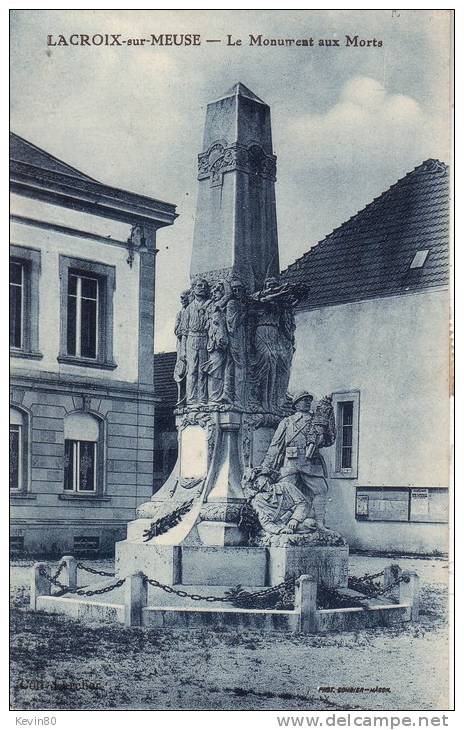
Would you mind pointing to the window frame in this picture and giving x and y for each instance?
(105, 274)
(19, 488)
(30, 261)
(100, 472)
(79, 303)
(76, 444)
(24, 456)
(20, 286)
(338, 399)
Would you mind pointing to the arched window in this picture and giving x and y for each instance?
(83, 456)
(19, 458)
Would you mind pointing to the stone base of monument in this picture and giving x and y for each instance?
(135, 603)
(232, 565)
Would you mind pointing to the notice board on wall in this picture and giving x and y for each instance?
(429, 505)
(383, 504)
(402, 504)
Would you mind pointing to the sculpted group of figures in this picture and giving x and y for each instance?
(288, 492)
(234, 348)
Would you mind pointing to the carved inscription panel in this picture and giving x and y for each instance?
(193, 452)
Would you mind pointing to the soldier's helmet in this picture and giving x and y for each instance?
(300, 395)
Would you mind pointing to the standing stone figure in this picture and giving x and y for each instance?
(235, 375)
(196, 343)
(180, 331)
(217, 344)
(287, 349)
(267, 345)
(274, 342)
(294, 450)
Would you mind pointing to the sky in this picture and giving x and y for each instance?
(347, 122)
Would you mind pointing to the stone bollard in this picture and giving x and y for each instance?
(135, 599)
(305, 603)
(410, 593)
(69, 572)
(40, 585)
(390, 574)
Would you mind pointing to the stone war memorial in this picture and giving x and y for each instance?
(237, 535)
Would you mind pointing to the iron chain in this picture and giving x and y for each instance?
(288, 583)
(218, 599)
(80, 591)
(184, 594)
(368, 578)
(99, 591)
(388, 588)
(95, 572)
(228, 597)
(157, 584)
(59, 569)
(53, 580)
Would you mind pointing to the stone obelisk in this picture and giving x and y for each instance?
(235, 342)
(236, 227)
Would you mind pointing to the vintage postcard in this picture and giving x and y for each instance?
(231, 386)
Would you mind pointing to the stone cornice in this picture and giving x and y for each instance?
(66, 230)
(61, 382)
(88, 196)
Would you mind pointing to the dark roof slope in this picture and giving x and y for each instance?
(163, 377)
(37, 174)
(23, 151)
(370, 255)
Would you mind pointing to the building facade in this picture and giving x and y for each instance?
(82, 279)
(374, 330)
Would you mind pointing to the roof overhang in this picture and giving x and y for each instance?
(89, 196)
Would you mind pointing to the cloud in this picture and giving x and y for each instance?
(368, 123)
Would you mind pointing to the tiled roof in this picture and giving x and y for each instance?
(370, 255)
(163, 377)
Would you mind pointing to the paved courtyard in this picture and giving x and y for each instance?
(58, 663)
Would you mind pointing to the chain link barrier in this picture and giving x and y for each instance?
(81, 590)
(185, 594)
(236, 595)
(281, 596)
(369, 576)
(98, 591)
(280, 593)
(366, 584)
(390, 586)
(95, 572)
(59, 569)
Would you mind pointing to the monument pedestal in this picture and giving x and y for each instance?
(216, 443)
(329, 564)
(229, 566)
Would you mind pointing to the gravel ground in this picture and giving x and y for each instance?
(112, 667)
